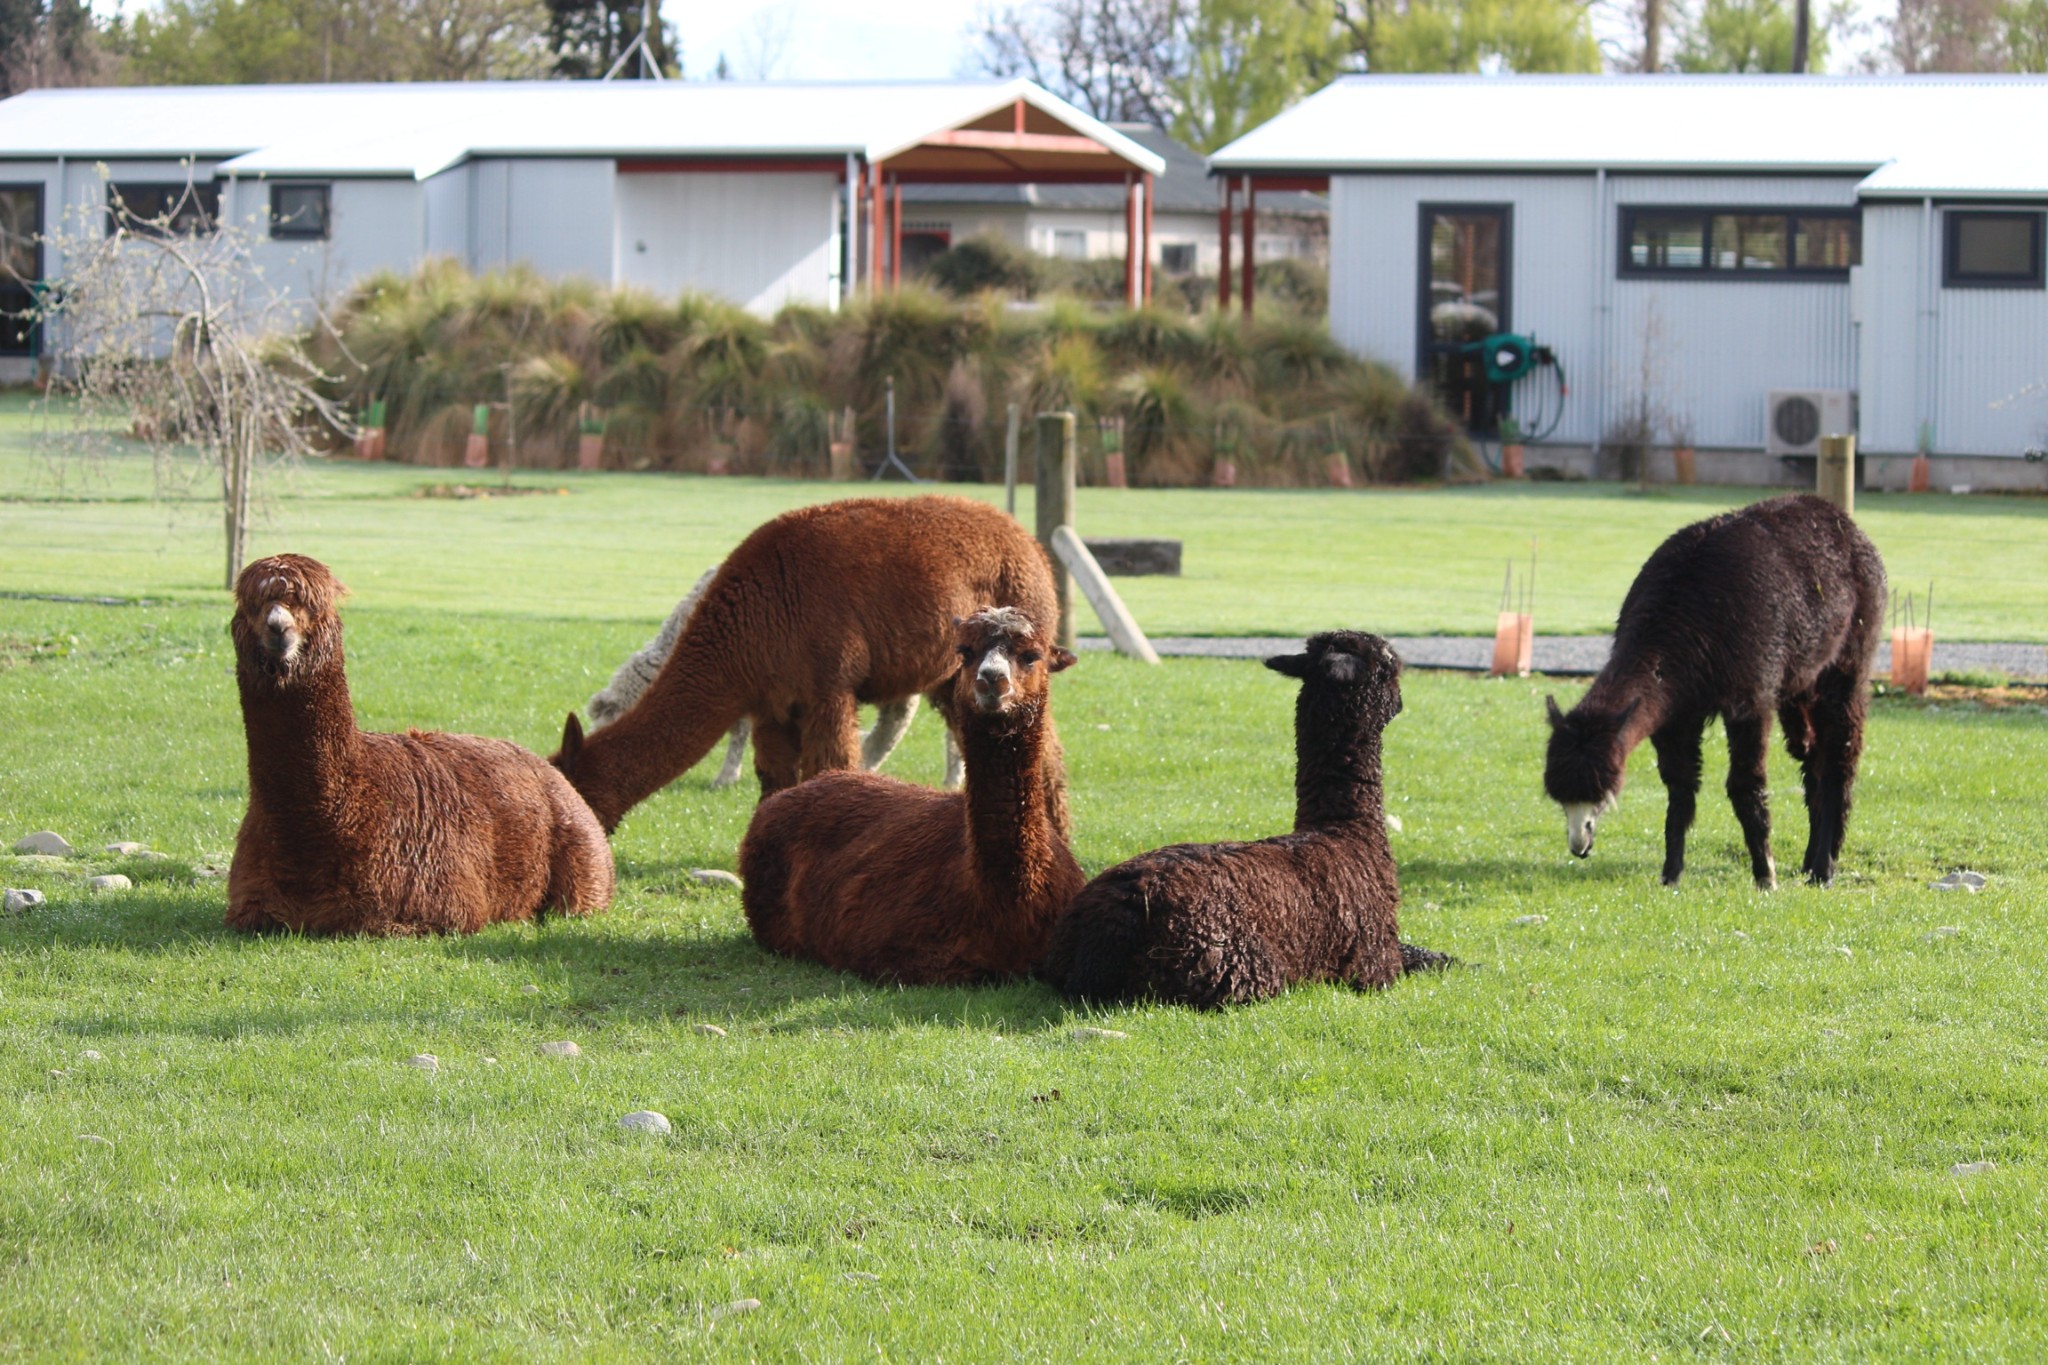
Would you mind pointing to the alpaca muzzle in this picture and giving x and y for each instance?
(1579, 822)
(281, 637)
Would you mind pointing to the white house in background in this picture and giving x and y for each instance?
(753, 192)
(1086, 222)
(1761, 258)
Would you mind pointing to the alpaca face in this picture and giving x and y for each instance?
(1349, 662)
(1584, 770)
(283, 608)
(1004, 666)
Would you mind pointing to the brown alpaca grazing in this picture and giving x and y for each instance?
(1777, 606)
(1220, 924)
(354, 833)
(815, 612)
(901, 883)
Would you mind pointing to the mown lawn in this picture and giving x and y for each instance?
(1702, 1123)
(1256, 562)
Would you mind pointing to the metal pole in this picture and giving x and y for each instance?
(1056, 449)
(1010, 462)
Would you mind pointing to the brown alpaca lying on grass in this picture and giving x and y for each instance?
(813, 613)
(1219, 924)
(354, 833)
(906, 884)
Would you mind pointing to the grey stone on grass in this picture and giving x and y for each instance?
(47, 842)
(1393, 823)
(20, 899)
(862, 1277)
(1089, 1035)
(1529, 921)
(124, 847)
(1960, 880)
(564, 1048)
(424, 1061)
(711, 1030)
(112, 881)
(1941, 931)
(529, 989)
(1962, 1168)
(646, 1121)
(726, 1310)
(92, 1055)
(96, 1138)
(715, 876)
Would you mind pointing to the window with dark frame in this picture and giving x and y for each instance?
(1988, 249)
(1740, 243)
(300, 211)
(163, 208)
(21, 267)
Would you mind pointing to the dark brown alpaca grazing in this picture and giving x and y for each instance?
(815, 612)
(1776, 607)
(1219, 924)
(906, 884)
(354, 833)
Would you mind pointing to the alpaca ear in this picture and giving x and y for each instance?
(1550, 708)
(1293, 665)
(572, 743)
(1059, 659)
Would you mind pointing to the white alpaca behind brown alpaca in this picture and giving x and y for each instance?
(892, 720)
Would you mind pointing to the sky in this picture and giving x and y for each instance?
(826, 39)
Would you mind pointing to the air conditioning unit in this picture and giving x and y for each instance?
(1796, 419)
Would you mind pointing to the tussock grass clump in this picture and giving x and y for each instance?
(701, 384)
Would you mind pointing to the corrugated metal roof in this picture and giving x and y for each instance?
(1183, 187)
(418, 129)
(2010, 168)
(1695, 123)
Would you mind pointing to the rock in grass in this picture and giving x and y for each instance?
(1089, 1035)
(529, 989)
(1529, 921)
(565, 1048)
(715, 876)
(124, 847)
(424, 1061)
(47, 842)
(20, 899)
(1960, 881)
(711, 1030)
(726, 1310)
(1962, 1168)
(92, 1055)
(113, 881)
(1942, 931)
(1393, 823)
(862, 1277)
(646, 1121)
(96, 1138)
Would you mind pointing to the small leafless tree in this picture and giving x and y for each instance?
(1116, 59)
(167, 325)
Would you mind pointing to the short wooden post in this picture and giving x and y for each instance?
(1056, 450)
(1835, 472)
(1124, 633)
(1010, 461)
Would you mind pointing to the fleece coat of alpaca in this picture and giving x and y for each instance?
(1220, 924)
(904, 884)
(813, 613)
(1775, 607)
(355, 833)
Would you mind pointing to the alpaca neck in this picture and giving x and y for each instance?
(686, 710)
(1639, 682)
(302, 737)
(1337, 784)
(1009, 824)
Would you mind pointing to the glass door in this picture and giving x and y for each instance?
(21, 266)
(1464, 299)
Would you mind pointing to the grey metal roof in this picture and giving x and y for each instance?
(1853, 124)
(419, 129)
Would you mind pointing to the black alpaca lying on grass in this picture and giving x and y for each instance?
(1777, 606)
(1218, 924)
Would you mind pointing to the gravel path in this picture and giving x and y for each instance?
(1570, 655)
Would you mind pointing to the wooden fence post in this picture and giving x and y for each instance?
(1010, 463)
(1056, 450)
(1835, 472)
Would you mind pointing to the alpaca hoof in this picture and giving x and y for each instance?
(1671, 878)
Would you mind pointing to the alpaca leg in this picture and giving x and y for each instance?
(1748, 747)
(735, 756)
(776, 747)
(892, 722)
(831, 736)
(1678, 763)
(1831, 772)
(1210, 973)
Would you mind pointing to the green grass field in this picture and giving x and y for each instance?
(1697, 1124)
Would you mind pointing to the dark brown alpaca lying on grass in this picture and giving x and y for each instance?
(815, 612)
(354, 833)
(906, 884)
(1777, 606)
(1219, 924)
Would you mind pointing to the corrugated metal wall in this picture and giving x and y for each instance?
(1709, 350)
(1892, 284)
(759, 239)
(1991, 379)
